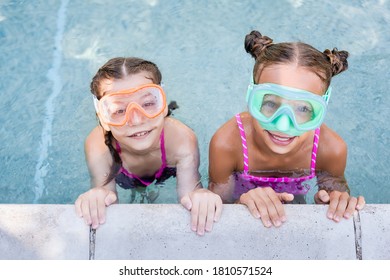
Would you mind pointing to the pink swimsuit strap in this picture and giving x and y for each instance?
(276, 179)
(158, 173)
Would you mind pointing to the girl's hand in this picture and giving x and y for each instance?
(92, 204)
(205, 207)
(340, 204)
(266, 204)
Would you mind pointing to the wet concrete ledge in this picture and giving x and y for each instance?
(162, 231)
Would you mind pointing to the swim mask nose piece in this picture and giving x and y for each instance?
(283, 123)
(134, 114)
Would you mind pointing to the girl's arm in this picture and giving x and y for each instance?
(222, 164)
(91, 204)
(332, 159)
(204, 205)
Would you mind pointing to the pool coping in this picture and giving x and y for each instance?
(162, 232)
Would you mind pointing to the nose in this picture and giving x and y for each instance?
(283, 123)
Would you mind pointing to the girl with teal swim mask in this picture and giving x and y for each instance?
(255, 157)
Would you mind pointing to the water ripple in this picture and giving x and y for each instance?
(53, 75)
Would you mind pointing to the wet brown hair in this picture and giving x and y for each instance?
(116, 69)
(120, 67)
(324, 64)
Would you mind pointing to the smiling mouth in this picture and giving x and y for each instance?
(140, 134)
(281, 140)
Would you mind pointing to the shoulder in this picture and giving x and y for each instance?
(177, 131)
(332, 151)
(95, 143)
(331, 144)
(96, 136)
(180, 140)
(227, 137)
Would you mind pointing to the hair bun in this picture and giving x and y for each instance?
(255, 43)
(338, 60)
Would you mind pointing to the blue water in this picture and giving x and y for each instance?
(51, 49)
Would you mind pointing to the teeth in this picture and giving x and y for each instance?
(140, 134)
(281, 138)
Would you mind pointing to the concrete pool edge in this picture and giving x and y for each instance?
(162, 231)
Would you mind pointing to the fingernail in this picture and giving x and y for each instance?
(346, 215)
(277, 223)
(337, 218)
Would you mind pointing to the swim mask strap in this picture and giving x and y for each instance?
(327, 95)
(250, 88)
(96, 103)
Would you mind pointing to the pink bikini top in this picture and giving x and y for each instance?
(128, 180)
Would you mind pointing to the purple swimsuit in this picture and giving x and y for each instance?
(127, 180)
(293, 185)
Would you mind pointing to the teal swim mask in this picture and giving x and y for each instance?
(288, 110)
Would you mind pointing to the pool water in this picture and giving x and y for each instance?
(51, 49)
